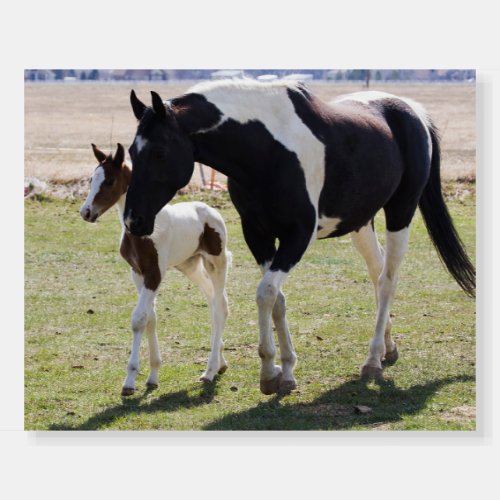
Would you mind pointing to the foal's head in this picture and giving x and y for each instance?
(162, 155)
(108, 183)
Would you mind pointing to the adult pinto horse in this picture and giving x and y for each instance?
(300, 169)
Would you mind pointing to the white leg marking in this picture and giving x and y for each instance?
(267, 292)
(140, 317)
(154, 350)
(288, 355)
(396, 247)
(366, 243)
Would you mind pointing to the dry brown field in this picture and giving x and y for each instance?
(61, 120)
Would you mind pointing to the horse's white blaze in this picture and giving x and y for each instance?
(328, 225)
(95, 186)
(270, 105)
(139, 143)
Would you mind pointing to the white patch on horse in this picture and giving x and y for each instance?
(97, 179)
(328, 225)
(139, 142)
(269, 104)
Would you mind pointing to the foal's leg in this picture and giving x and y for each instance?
(154, 350)
(396, 247)
(195, 270)
(142, 315)
(217, 271)
(366, 243)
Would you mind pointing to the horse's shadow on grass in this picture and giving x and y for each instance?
(141, 405)
(353, 404)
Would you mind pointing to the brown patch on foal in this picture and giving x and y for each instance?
(142, 257)
(210, 241)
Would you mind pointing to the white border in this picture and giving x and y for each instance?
(248, 35)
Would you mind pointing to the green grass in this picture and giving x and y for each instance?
(79, 297)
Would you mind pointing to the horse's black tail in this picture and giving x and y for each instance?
(440, 227)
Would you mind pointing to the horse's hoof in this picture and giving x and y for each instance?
(287, 386)
(371, 373)
(391, 357)
(151, 386)
(272, 386)
(222, 369)
(127, 391)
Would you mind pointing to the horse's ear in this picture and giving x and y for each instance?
(137, 105)
(158, 106)
(119, 156)
(100, 156)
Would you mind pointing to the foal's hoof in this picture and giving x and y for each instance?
(272, 386)
(371, 373)
(391, 357)
(127, 391)
(150, 386)
(222, 369)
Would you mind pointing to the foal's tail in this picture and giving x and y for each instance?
(440, 227)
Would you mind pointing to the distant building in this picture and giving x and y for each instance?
(301, 77)
(267, 78)
(224, 74)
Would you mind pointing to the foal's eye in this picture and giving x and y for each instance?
(108, 182)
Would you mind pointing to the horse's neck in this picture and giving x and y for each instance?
(252, 119)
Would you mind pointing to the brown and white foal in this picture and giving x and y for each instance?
(188, 236)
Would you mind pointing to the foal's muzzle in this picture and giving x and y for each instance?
(87, 214)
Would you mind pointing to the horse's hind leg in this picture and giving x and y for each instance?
(217, 267)
(195, 270)
(366, 243)
(396, 247)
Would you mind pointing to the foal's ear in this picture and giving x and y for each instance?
(137, 105)
(158, 106)
(119, 156)
(100, 156)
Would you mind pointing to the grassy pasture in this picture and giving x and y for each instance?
(78, 301)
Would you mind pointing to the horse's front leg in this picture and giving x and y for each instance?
(140, 317)
(271, 304)
(154, 351)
